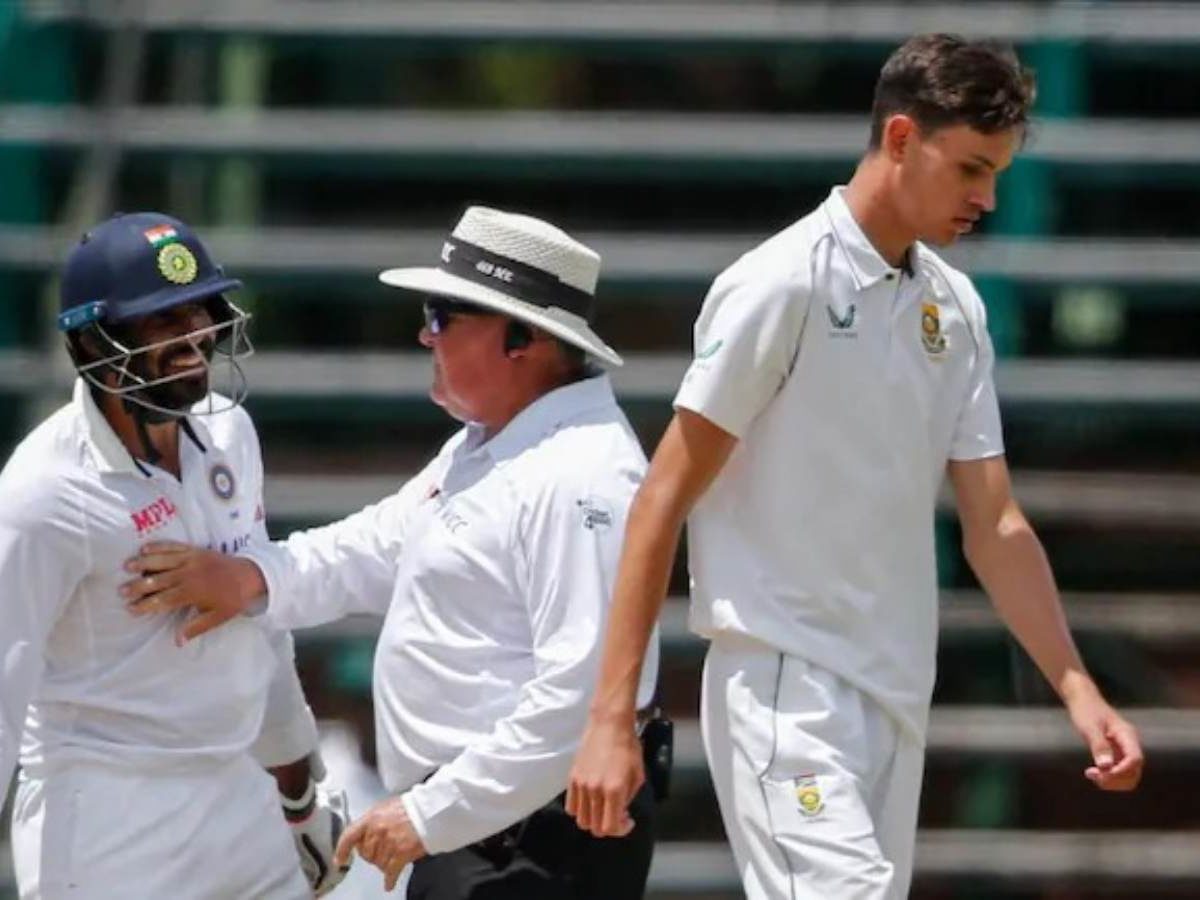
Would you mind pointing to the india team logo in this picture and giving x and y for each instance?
(932, 338)
(808, 794)
(177, 264)
(220, 478)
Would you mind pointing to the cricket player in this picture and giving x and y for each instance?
(841, 370)
(142, 761)
(493, 568)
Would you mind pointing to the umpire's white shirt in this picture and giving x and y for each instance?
(83, 678)
(494, 566)
(850, 384)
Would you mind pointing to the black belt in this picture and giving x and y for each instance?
(656, 733)
(501, 847)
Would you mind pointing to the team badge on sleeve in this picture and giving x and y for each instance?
(808, 794)
(220, 479)
(700, 362)
(932, 338)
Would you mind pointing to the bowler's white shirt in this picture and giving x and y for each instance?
(82, 677)
(850, 385)
(494, 567)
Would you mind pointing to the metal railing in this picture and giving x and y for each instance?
(653, 22)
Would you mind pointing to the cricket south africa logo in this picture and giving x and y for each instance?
(808, 794)
(932, 338)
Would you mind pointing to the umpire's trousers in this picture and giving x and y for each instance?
(546, 857)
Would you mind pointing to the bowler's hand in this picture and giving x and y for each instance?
(178, 576)
(605, 777)
(385, 838)
(1114, 743)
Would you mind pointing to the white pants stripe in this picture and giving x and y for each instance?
(91, 832)
(818, 786)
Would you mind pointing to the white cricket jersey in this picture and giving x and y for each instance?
(495, 567)
(83, 678)
(850, 384)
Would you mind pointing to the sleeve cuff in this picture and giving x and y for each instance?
(418, 821)
(269, 605)
(440, 817)
(976, 452)
(728, 420)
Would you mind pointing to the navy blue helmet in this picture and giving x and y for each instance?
(134, 265)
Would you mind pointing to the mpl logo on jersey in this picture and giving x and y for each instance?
(155, 516)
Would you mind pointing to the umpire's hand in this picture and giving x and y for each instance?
(606, 775)
(175, 576)
(384, 837)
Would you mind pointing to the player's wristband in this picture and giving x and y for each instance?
(302, 807)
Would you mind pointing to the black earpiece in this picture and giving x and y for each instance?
(517, 336)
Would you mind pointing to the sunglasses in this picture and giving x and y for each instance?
(439, 313)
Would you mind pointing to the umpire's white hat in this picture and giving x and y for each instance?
(519, 266)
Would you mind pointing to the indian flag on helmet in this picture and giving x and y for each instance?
(160, 234)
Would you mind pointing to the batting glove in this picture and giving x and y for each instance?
(317, 820)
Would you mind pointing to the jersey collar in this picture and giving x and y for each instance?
(110, 453)
(548, 413)
(867, 267)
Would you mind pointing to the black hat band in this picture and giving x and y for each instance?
(513, 277)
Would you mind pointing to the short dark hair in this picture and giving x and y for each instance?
(942, 80)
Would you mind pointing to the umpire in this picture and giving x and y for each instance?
(493, 567)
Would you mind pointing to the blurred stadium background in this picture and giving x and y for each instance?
(315, 142)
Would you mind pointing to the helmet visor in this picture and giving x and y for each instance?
(214, 383)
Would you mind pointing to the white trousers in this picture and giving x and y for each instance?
(97, 832)
(818, 786)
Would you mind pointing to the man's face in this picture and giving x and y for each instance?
(947, 180)
(468, 356)
(182, 360)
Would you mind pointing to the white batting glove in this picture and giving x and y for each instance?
(317, 820)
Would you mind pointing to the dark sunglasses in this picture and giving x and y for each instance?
(440, 312)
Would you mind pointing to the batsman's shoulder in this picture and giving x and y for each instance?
(47, 466)
(42, 496)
